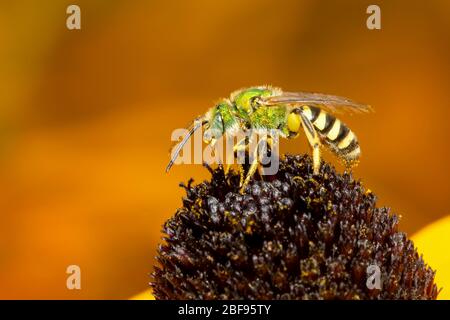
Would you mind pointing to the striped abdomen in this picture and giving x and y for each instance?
(335, 134)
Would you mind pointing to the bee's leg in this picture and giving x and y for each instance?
(240, 166)
(251, 171)
(226, 168)
(261, 172)
(254, 165)
(241, 174)
(229, 157)
(313, 139)
(269, 143)
(213, 142)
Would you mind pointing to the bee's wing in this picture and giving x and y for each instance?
(327, 102)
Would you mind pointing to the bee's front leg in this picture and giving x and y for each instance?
(229, 157)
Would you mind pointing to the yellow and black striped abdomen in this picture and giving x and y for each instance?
(335, 134)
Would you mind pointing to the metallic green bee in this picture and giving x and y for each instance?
(270, 108)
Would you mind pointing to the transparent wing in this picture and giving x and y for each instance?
(327, 102)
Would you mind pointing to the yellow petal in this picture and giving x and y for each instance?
(433, 242)
(145, 295)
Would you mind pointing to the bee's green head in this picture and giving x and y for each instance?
(246, 100)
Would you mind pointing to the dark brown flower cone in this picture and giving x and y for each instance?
(297, 236)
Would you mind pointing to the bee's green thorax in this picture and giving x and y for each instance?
(269, 118)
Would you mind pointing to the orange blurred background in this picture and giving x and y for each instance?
(86, 117)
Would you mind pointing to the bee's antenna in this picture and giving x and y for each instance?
(197, 125)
